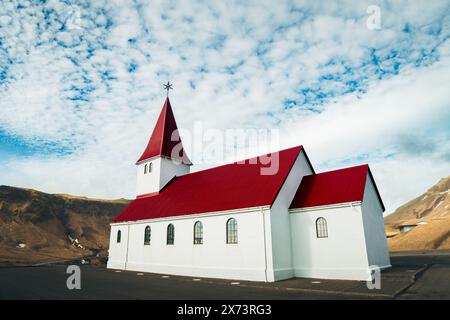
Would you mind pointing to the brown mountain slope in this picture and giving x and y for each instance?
(41, 224)
(430, 212)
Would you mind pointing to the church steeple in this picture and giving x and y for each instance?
(165, 140)
(164, 157)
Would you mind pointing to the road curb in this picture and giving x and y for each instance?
(414, 278)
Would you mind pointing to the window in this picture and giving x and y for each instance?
(198, 233)
(170, 234)
(147, 235)
(232, 231)
(119, 236)
(321, 228)
(148, 168)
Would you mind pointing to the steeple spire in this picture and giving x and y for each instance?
(168, 86)
(160, 143)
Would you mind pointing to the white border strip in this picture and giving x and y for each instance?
(195, 215)
(331, 206)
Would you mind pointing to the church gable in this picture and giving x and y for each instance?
(333, 187)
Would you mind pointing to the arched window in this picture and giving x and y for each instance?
(119, 236)
(145, 169)
(321, 228)
(147, 235)
(170, 234)
(198, 233)
(232, 236)
(149, 167)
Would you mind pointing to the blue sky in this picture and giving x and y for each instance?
(81, 85)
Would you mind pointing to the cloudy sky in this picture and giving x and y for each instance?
(81, 85)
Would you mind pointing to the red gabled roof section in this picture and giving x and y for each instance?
(160, 143)
(333, 187)
(232, 186)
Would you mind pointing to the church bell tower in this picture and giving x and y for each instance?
(163, 158)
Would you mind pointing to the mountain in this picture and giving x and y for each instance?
(38, 227)
(429, 217)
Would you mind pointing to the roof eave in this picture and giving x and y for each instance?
(326, 206)
(165, 157)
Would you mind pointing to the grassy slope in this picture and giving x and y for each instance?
(43, 222)
(433, 208)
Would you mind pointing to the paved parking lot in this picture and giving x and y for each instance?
(415, 275)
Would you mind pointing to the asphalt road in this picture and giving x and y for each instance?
(434, 283)
(49, 282)
(97, 283)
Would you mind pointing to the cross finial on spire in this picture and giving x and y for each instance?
(168, 86)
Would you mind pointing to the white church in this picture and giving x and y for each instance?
(235, 221)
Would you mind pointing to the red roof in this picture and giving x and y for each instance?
(161, 142)
(333, 187)
(232, 186)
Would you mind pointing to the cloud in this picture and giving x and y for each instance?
(400, 126)
(85, 78)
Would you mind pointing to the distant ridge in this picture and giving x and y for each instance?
(429, 216)
(37, 226)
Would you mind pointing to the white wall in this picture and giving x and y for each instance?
(280, 222)
(375, 235)
(148, 182)
(342, 255)
(214, 258)
(118, 251)
(170, 169)
(163, 170)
